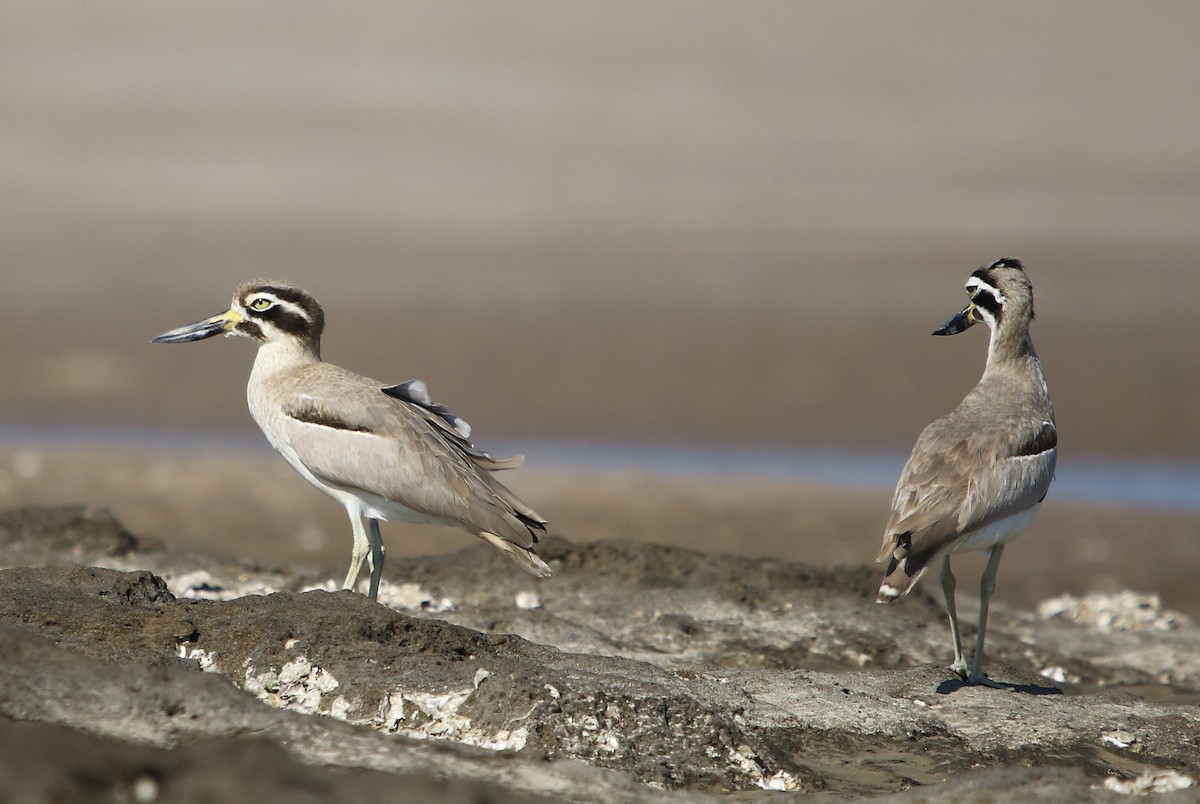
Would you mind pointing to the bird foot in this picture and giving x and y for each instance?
(978, 678)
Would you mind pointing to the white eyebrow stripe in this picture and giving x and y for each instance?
(282, 303)
(979, 285)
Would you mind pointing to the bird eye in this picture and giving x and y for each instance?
(260, 304)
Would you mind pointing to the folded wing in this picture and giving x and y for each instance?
(395, 443)
(940, 497)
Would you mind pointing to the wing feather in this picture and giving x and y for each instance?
(959, 480)
(395, 443)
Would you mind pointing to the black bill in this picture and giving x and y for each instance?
(207, 328)
(960, 323)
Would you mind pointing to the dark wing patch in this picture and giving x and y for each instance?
(306, 409)
(1044, 440)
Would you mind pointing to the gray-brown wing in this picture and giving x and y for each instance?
(959, 479)
(358, 437)
(1019, 477)
(457, 433)
(929, 494)
(454, 428)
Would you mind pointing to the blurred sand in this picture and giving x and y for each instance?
(677, 221)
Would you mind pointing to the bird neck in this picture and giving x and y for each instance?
(285, 354)
(1009, 347)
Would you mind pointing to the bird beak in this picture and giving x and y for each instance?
(216, 325)
(960, 323)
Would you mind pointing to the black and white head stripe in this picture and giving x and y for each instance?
(280, 305)
(987, 298)
(994, 288)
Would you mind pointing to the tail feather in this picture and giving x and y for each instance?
(527, 516)
(901, 576)
(524, 557)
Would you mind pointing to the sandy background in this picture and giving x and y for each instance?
(719, 224)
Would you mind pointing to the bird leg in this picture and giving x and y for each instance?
(359, 552)
(987, 585)
(960, 664)
(375, 558)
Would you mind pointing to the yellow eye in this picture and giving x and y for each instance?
(260, 304)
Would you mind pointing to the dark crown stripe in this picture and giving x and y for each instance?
(1003, 262)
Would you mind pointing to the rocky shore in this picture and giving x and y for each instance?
(636, 673)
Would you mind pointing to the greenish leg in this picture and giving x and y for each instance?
(375, 558)
(987, 585)
(960, 664)
(359, 553)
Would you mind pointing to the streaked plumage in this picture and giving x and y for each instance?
(977, 476)
(384, 452)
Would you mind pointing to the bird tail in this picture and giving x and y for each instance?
(901, 576)
(524, 557)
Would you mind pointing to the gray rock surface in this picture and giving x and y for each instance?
(636, 673)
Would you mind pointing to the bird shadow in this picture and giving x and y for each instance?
(953, 685)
